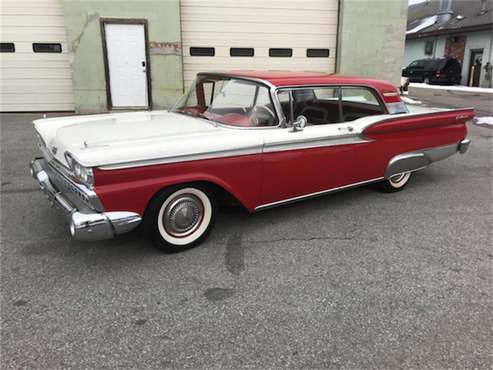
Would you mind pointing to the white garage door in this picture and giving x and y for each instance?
(35, 72)
(279, 33)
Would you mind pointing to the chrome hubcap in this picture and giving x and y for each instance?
(183, 215)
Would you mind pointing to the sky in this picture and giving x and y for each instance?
(411, 2)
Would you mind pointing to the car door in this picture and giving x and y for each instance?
(298, 163)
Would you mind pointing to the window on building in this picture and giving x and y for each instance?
(241, 52)
(429, 48)
(202, 52)
(317, 53)
(280, 52)
(39, 47)
(7, 47)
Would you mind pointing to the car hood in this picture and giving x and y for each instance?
(122, 139)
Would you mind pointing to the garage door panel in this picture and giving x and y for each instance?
(35, 98)
(256, 41)
(31, 63)
(34, 81)
(38, 107)
(29, 20)
(254, 28)
(263, 4)
(35, 10)
(36, 73)
(33, 34)
(260, 53)
(248, 15)
(39, 86)
(24, 50)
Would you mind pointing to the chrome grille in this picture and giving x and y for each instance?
(65, 185)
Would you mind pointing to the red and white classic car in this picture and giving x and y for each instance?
(263, 138)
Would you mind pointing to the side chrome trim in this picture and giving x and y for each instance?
(316, 194)
(314, 143)
(185, 158)
(281, 146)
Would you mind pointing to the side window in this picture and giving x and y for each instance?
(319, 105)
(354, 94)
(358, 102)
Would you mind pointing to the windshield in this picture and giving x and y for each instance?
(230, 101)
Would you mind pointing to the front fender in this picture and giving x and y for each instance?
(131, 189)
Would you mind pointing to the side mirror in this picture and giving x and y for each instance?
(299, 124)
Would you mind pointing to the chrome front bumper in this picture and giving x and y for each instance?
(84, 224)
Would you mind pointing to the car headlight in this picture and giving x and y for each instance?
(81, 174)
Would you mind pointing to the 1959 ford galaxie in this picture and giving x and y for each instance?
(262, 138)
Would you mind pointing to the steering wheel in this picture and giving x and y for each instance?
(258, 115)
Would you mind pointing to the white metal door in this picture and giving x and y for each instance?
(127, 64)
(31, 80)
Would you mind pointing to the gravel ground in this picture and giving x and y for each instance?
(358, 279)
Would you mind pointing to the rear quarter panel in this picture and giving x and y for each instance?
(406, 134)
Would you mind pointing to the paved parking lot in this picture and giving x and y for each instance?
(358, 279)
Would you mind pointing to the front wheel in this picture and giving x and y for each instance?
(426, 81)
(180, 218)
(395, 183)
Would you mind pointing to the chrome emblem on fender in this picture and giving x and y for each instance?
(54, 149)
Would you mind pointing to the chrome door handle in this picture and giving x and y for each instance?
(349, 129)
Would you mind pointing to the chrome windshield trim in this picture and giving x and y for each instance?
(316, 194)
(272, 88)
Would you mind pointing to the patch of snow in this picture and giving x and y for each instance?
(484, 120)
(454, 87)
(408, 100)
(425, 23)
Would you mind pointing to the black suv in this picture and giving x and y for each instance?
(434, 71)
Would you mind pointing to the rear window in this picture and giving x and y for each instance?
(359, 95)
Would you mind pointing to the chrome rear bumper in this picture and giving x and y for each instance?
(464, 145)
(84, 225)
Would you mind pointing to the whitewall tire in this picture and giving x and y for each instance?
(395, 183)
(180, 218)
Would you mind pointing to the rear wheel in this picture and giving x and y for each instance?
(395, 183)
(180, 218)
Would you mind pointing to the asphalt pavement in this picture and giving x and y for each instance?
(357, 279)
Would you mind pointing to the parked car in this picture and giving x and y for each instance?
(434, 71)
(263, 138)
